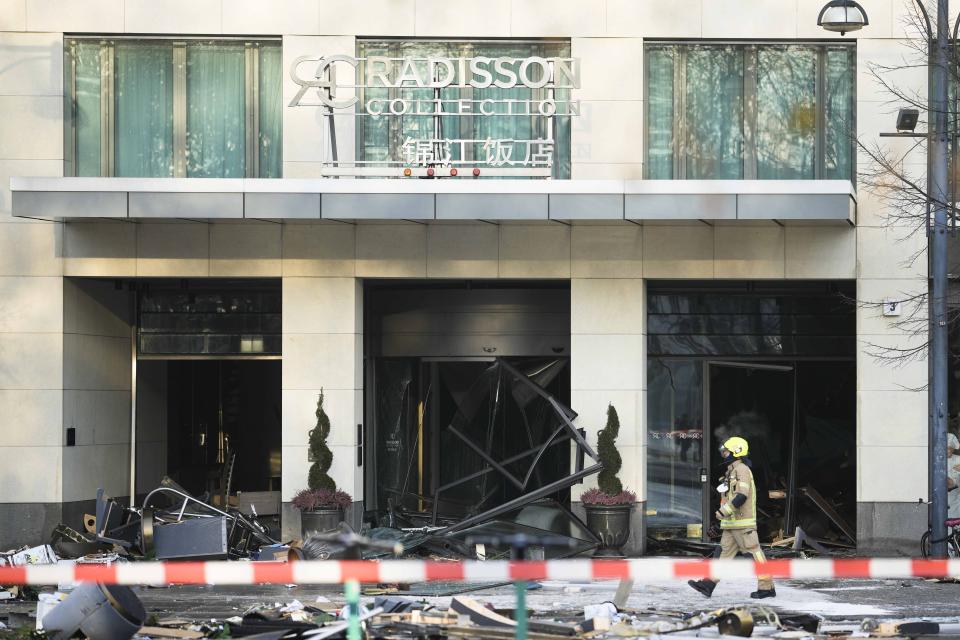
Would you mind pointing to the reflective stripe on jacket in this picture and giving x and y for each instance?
(739, 479)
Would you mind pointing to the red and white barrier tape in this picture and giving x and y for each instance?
(393, 571)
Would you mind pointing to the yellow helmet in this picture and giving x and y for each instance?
(737, 446)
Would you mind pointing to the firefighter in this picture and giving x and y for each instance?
(738, 516)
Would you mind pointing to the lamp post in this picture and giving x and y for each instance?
(847, 15)
(842, 16)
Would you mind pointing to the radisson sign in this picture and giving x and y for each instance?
(383, 86)
(479, 72)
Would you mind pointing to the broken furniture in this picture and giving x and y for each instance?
(68, 543)
(190, 528)
(117, 524)
(344, 544)
(192, 539)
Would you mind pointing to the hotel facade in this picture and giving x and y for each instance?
(211, 211)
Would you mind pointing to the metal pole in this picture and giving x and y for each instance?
(133, 402)
(938, 263)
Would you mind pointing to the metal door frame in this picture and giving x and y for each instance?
(706, 481)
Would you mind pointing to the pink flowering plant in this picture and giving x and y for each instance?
(597, 497)
(312, 499)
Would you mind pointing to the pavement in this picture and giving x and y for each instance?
(838, 600)
(842, 602)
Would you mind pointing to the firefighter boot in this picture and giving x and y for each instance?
(764, 593)
(705, 587)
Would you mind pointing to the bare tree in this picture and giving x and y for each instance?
(890, 176)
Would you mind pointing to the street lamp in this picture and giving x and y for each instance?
(842, 16)
(907, 119)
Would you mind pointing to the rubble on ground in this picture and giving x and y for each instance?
(171, 524)
(469, 617)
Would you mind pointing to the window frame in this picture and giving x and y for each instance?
(108, 134)
(748, 152)
(466, 126)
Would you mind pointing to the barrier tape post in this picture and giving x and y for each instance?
(520, 587)
(352, 593)
(641, 570)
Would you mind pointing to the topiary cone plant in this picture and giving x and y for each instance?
(320, 453)
(608, 506)
(607, 481)
(321, 505)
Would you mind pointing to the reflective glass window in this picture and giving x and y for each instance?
(674, 442)
(210, 321)
(786, 131)
(753, 111)
(713, 111)
(165, 108)
(661, 66)
(143, 110)
(382, 138)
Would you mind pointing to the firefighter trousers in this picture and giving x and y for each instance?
(735, 540)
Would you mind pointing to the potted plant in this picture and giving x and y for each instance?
(321, 505)
(608, 506)
(321, 509)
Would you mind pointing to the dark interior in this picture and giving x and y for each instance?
(219, 408)
(759, 404)
(771, 361)
(440, 403)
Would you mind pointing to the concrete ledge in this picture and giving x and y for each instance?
(28, 523)
(376, 206)
(793, 207)
(886, 529)
(494, 206)
(281, 205)
(186, 205)
(72, 204)
(799, 201)
(592, 206)
(680, 207)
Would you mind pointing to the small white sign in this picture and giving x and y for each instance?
(891, 308)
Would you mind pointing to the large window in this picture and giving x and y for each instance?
(215, 318)
(381, 138)
(751, 111)
(170, 108)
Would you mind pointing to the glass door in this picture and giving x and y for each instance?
(757, 402)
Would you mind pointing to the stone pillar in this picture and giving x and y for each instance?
(892, 404)
(322, 349)
(31, 288)
(97, 366)
(608, 344)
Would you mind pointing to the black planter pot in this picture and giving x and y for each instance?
(610, 523)
(320, 521)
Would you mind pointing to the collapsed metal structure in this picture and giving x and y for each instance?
(508, 429)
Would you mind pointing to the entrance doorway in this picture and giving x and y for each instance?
(210, 425)
(774, 362)
(224, 413)
(208, 389)
(756, 402)
(439, 421)
(465, 385)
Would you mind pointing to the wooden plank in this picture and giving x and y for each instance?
(498, 633)
(830, 512)
(164, 632)
(479, 614)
